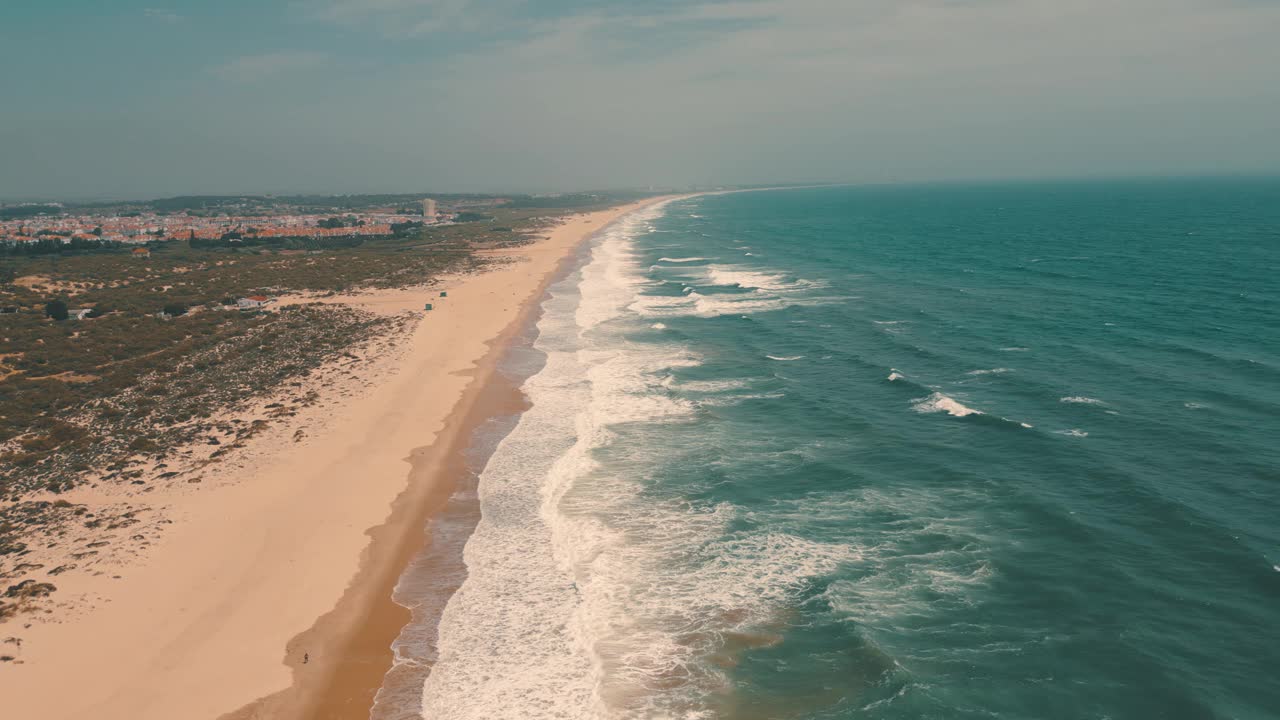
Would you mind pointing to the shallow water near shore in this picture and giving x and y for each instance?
(899, 452)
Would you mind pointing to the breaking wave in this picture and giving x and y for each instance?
(938, 402)
(1081, 400)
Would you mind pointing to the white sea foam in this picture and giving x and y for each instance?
(765, 291)
(1081, 400)
(937, 402)
(717, 305)
(709, 305)
(615, 279)
(658, 326)
(785, 358)
(508, 645)
(728, 275)
(681, 260)
(992, 371)
(895, 375)
(726, 400)
(696, 304)
(508, 620)
(710, 386)
(1014, 349)
(1073, 432)
(652, 305)
(932, 557)
(585, 597)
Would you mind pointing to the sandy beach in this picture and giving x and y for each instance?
(269, 594)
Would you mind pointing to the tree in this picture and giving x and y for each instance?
(175, 309)
(404, 227)
(57, 310)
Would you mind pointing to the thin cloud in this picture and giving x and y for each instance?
(350, 9)
(254, 67)
(161, 14)
(592, 93)
(401, 18)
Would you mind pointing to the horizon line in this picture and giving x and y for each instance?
(658, 189)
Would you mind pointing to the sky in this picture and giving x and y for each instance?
(145, 98)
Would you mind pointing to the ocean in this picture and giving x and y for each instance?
(929, 451)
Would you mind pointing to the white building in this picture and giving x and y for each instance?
(253, 302)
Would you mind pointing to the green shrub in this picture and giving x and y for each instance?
(56, 309)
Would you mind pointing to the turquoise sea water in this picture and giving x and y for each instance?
(990, 451)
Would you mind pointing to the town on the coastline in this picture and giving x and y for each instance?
(54, 222)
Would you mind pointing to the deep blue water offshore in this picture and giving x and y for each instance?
(986, 451)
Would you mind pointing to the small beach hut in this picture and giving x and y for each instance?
(444, 294)
(428, 307)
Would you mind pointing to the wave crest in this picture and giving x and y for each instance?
(1081, 400)
(937, 402)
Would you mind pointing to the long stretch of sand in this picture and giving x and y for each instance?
(292, 557)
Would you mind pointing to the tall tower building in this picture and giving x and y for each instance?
(429, 209)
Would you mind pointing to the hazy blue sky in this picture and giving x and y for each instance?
(119, 98)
